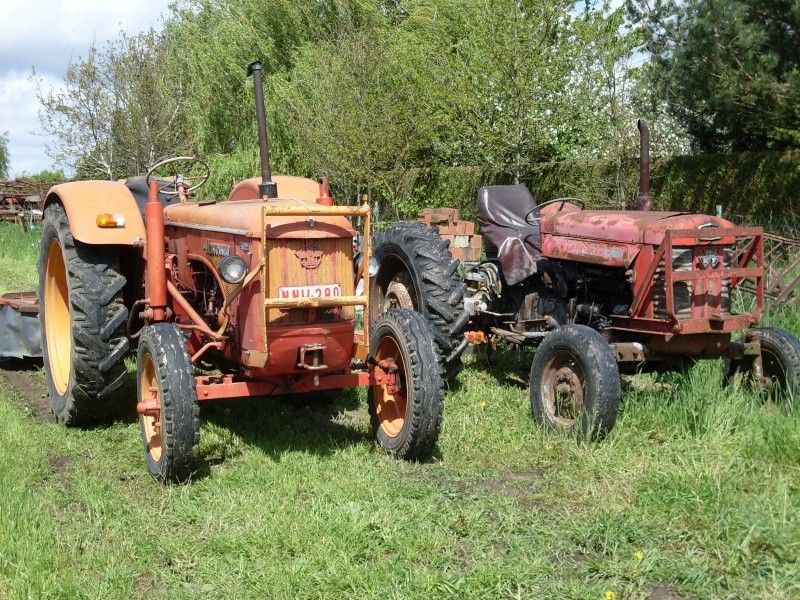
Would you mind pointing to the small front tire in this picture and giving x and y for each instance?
(169, 415)
(406, 423)
(574, 382)
(776, 371)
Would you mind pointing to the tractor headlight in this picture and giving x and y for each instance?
(374, 265)
(233, 269)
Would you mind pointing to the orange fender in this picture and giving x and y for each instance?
(84, 200)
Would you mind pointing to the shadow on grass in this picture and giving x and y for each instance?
(309, 423)
(508, 364)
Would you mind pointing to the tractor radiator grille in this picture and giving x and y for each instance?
(309, 264)
(695, 299)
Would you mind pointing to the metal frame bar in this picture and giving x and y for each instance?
(638, 320)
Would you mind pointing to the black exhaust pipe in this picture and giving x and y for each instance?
(267, 187)
(644, 201)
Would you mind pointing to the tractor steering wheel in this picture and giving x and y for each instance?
(190, 163)
(538, 208)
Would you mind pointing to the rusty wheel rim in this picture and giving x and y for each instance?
(563, 389)
(768, 373)
(400, 293)
(391, 408)
(57, 324)
(150, 420)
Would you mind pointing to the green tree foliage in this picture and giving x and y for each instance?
(377, 93)
(4, 155)
(119, 110)
(729, 70)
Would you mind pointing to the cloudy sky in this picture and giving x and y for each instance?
(47, 35)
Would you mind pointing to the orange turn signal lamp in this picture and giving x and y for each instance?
(107, 220)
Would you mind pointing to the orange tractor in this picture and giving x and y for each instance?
(255, 296)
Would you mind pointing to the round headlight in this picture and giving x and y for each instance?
(233, 269)
(374, 265)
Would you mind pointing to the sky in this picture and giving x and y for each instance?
(48, 35)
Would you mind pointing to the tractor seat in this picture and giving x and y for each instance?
(138, 187)
(502, 212)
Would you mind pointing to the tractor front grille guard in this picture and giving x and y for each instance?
(703, 282)
(310, 211)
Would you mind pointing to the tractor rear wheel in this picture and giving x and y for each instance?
(418, 272)
(776, 371)
(574, 382)
(169, 415)
(406, 420)
(82, 316)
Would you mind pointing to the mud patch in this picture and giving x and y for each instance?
(663, 592)
(58, 464)
(520, 485)
(513, 484)
(26, 379)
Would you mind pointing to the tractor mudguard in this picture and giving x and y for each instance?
(84, 200)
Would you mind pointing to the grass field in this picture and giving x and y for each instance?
(18, 253)
(695, 494)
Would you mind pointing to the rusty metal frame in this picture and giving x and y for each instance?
(781, 269)
(754, 250)
(314, 210)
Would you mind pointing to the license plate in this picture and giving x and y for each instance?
(326, 290)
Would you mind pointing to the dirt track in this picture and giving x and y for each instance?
(27, 381)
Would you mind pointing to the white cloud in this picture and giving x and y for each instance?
(47, 35)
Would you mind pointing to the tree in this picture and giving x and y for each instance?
(118, 111)
(521, 82)
(729, 70)
(4, 155)
(356, 109)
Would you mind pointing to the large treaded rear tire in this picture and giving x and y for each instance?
(82, 316)
(418, 272)
(407, 424)
(171, 431)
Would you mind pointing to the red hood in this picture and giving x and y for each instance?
(624, 226)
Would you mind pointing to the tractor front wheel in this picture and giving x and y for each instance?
(82, 316)
(774, 372)
(574, 382)
(406, 417)
(169, 415)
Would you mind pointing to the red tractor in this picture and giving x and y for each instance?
(255, 296)
(596, 292)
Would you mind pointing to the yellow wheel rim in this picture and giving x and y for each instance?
(57, 324)
(150, 423)
(391, 408)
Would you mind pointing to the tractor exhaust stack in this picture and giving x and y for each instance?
(644, 201)
(267, 188)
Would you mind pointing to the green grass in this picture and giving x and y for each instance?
(18, 252)
(697, 490)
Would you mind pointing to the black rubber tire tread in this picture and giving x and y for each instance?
(434, 273)
(784, 348)
(425, 390)
(180, 411)
(601, 378)
(98, 315)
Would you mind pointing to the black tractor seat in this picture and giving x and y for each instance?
(138, 187)
(509, 222)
